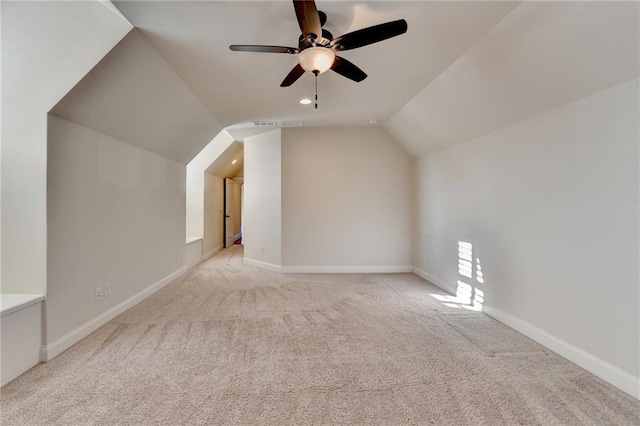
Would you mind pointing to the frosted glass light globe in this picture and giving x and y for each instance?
(317, 59)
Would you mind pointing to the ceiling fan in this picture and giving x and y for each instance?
(317, 46)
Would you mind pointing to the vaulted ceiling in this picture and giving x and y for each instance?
(229, 163)
(194, 37)
(542, 55)
(135, 96)
(463, 69)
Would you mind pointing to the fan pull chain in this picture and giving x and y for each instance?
(316, 74)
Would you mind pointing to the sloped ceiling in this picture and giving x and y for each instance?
(135, 96)
(543, 55)
(462, 70)
(223, 166)
(42, 56)
(194, 37)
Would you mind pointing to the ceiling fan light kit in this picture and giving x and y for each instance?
(316, 59)
(317, 46)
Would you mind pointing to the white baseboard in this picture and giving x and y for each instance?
(376, 269)
(607, 372)
(54, 349)
(212, 253)
(329, 269)
(263, 265)
(596, 366)
(451, 289)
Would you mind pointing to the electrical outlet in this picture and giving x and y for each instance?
(262, 250)
(107, 289)
(98, 293)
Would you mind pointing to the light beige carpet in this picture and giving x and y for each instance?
(232, 344)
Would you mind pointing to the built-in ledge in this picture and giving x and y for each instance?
(193, 252)
(21, 329)
(12, 302)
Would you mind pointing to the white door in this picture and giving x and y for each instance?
(228, 213)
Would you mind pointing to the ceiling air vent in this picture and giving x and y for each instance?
(290, 123)
(277, 123)
(265, 123)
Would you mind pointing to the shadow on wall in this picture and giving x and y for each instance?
(467, 296)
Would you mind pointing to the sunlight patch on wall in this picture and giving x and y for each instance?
(465, 259)
(467, 296)
(479, 276)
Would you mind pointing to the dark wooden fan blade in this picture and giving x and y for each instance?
(323, 18)
(308, 17)
(263, 49)
(369, 35)
(293, 75)
(348, 69)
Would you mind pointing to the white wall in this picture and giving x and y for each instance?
(115, 214)
(551, 207)
(195, 182)
(346, 200)
(213, 213)
(263, 198)
(47, 47)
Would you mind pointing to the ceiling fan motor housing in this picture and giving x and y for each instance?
(317, 46)
(310, 41)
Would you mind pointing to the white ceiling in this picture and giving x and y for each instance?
(135, 96)
(194, 37)
(463, 69)
(543, 55)
(223, 166)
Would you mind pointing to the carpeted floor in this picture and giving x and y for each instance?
(233, 344)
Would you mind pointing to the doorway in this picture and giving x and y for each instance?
(232, 220)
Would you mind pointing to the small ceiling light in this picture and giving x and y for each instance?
(316, 59)
(234, 161)
(305, 101)
(373, 122)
